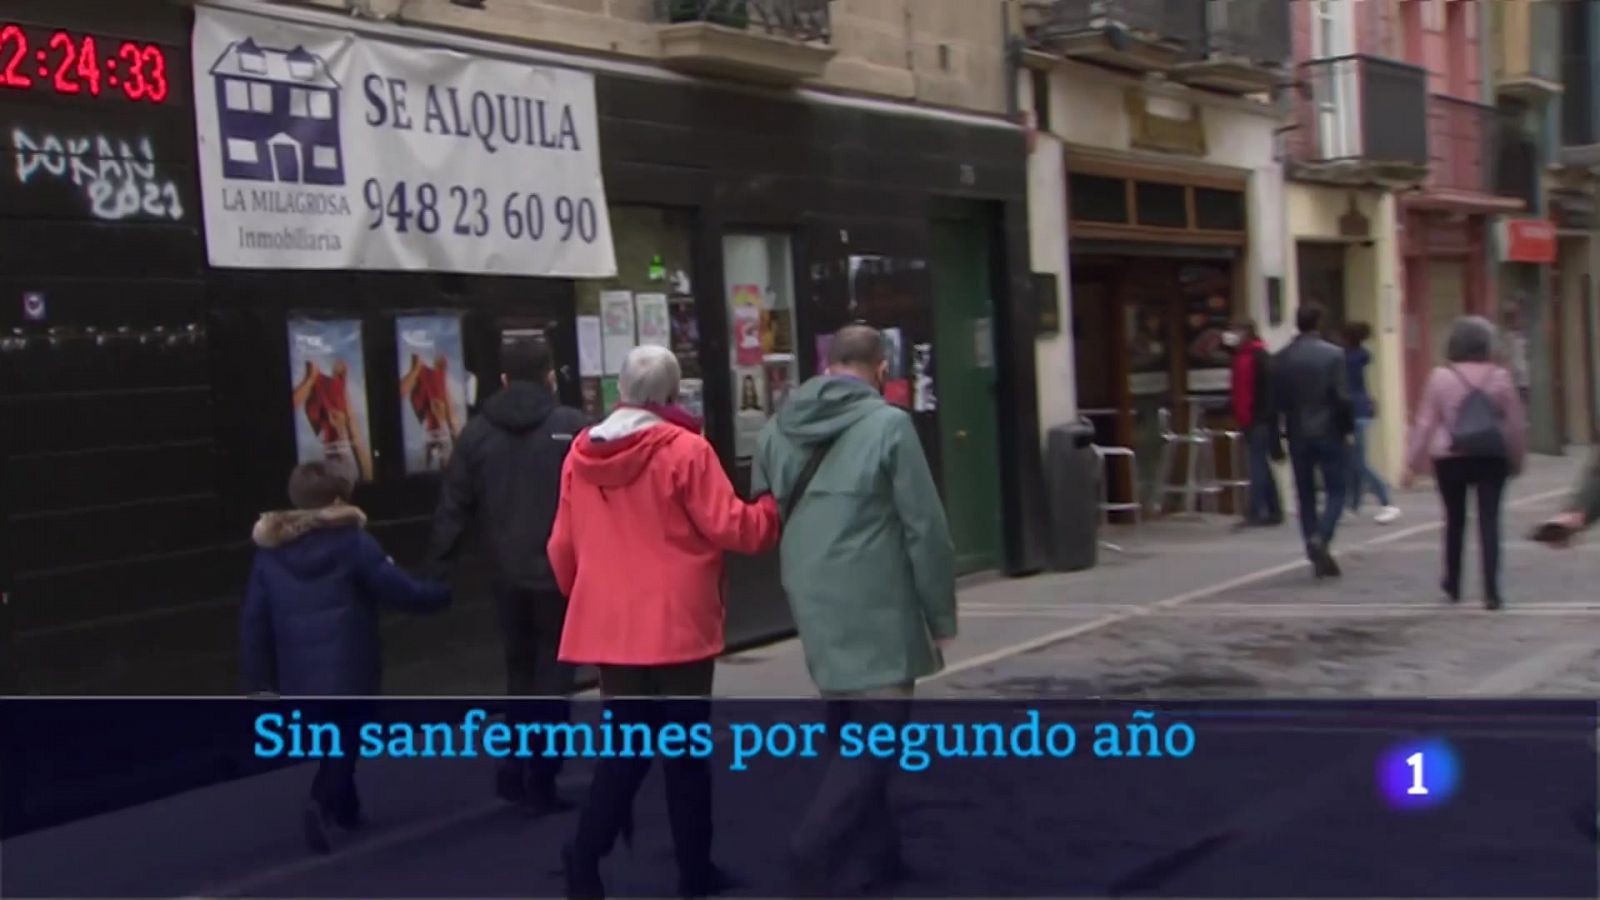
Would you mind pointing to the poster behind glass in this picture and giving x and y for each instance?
(327, 374)
(764, 363)
(433, 389)
(1207, 314)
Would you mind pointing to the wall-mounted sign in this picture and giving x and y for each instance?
(1528, 241)
(323, 149)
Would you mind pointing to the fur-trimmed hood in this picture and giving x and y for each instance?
(275, 529)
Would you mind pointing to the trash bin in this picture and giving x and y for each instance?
(1072, 476)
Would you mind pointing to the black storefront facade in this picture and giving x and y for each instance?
(155, 417)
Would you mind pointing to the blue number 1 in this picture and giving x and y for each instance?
(1417, 787)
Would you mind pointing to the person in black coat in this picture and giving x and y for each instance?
(504, 479)
(309, 626)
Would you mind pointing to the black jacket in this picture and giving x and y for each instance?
(505, 478)
(1311, 390)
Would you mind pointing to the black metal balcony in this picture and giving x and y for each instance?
(806, 21)
(1463, 144)
(1143, 35)
(1362, 119)
(773, 41)
(1244, 48)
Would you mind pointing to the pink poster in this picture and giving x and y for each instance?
(747, 325)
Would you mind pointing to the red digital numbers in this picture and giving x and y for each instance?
(72, 64)
(12, 38)
(63, 42)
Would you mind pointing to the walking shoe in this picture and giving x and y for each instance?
(545, 802)
(1451, 592)
(315, 825)
(1322, 562)
(714, 882)
(1493, 601)
(582, 876)
(1387, 515)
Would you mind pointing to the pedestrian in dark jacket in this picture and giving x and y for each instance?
(1362, 476)
(1252, 411)
(504, 481)
(1311, 393)
(310, 621)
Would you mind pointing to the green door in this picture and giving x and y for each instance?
(964, 359)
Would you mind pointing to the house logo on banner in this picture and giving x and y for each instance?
(324, 149)
(279, 112)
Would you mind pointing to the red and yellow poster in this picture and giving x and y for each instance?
(747, 325)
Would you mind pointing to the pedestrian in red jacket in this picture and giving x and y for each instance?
(646, 513)
(1252, 410)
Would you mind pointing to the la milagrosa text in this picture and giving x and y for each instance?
(913, 745)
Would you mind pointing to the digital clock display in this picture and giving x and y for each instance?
(65, 62)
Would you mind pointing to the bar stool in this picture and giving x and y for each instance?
(1200, 475)
(1102, 454)
(1237, 465)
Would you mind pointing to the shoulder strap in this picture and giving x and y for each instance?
(802, 482)
(1464, 379)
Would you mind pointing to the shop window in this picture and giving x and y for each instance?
(759, 273)
(1161, 205)
(1217, 210)
(1096, 199)
(649, 301)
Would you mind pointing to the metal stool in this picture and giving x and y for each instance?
(1106, 506)
(1237, 465)
(1200, 477)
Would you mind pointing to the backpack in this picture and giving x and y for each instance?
(1479, 428)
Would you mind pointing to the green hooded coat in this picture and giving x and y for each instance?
(867, 561)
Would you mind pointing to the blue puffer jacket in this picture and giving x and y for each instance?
(310, 621)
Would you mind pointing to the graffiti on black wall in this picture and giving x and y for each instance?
(120, 179)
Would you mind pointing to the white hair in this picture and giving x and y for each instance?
(650, 374)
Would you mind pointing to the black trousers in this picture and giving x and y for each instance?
(848, 840)
(530, 627)
(673, 693)
(1487, 477)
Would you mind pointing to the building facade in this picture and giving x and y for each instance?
(1155, 160)
(1357, 140)
(1571, 195)
(771, 171)
(1527, 81)
(1447, 226)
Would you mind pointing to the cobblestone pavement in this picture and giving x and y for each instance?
(1193, 609)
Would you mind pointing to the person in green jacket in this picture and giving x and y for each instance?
(866, 556)
(869, 570)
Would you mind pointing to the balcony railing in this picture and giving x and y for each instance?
(1364, 117)
(1253, 30)
(1462, 144)
(1179, 22)
(800, 20)
(1528, 56)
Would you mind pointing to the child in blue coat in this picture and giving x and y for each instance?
(310, 621)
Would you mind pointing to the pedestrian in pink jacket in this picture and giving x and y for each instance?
(1471, 431)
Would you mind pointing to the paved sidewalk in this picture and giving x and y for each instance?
(1168, 562)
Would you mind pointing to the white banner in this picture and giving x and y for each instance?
(322, 149)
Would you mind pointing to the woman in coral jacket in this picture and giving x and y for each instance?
(646, 513)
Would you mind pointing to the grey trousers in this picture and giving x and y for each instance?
(848, 838)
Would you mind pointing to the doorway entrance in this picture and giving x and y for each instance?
(1320, 279)
(965, 362)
